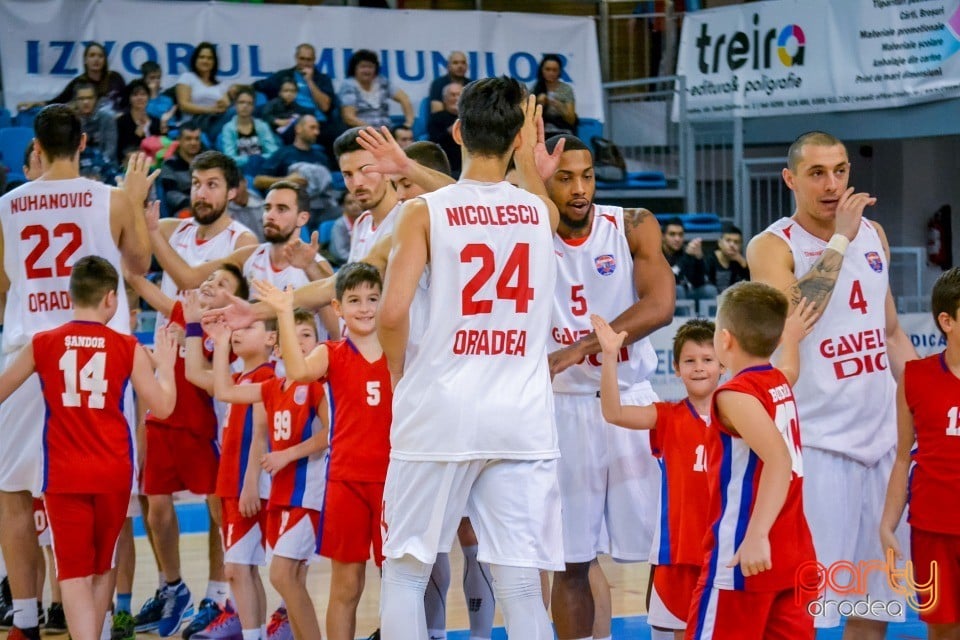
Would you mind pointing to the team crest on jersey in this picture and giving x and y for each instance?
(606, 264)
(300, 395)
(873, 259)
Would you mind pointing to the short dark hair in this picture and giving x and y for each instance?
(136, 85)
(270, 324)
(673, 222)
(397, 127)
(362, 55)
(946, 296)
(815, 138)
(245, 90)
(243, 287)
(196, 54)
(347, 142)
(216, 160)
(728, 228)
(190, 125)
(57, 128)
(430, 155)
(754, 314)
(698, 330)
(81, 86)
(302, 316)
(149, 67)
(573, 143)
(91, 278)
(353, 274)
(288, 79)
(491, 115)
(303, 198)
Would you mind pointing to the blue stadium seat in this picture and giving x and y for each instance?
(337, 181)
(637, 180)
(588, 129)
(5, 119)
(694, 222)
(326, 232)
(25, 118)
(420, 122)
(13, 142)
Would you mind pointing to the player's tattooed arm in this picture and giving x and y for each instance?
(818, 284)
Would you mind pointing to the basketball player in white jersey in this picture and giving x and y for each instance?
(372, 189)
(47, 225)
(473, 423)
(832, 256)
(609, 261)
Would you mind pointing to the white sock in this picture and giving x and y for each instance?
(25, 613)
(218, 592)
(251, 634)
(478, 590)
(161, 580)
(3, 568)
(107, 624)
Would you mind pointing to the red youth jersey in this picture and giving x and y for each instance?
(291, 419)
(238, 436)
(362, 400)
(734, 474)
(194, 409)
(933, 395)
(84, 369)
(678, 442)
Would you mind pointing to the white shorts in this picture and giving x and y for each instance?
(296, 540)
(21, 432)
(843, 501)
(609, 481)
(660, 616)
(513, 505)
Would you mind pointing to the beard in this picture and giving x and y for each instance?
(205, 213)
(575, 223)
(276, 235)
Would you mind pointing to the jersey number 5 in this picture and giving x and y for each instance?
(92, 379)
(517, 267)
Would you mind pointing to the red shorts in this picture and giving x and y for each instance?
(242, 537)
(747, 615)
(178, 460)
(943, 596)
(350, 523)
(673, 587)
(85, 528)
(292, 532)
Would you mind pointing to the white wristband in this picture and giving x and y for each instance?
(838, 242)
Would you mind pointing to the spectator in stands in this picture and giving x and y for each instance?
(686, 262)
(456, 72)
(161, 104)
(726, 265)
(365, 94)
(403, 135)
(108, 85)
(246, 207)
(313, 89)
(339, 248)
(304, 149)
(135, 123)
(440, 126)
(281, 113)
(559, 106)
(98, 158)
(200, 95)
(244, 136)
(175, 176)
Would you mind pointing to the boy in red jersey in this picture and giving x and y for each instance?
(241, 486)
(360, 389)
(181, 451)
(88, 452)
(758, 536)
(296, 415)
(928, 414)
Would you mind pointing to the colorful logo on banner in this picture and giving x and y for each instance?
(795, 33)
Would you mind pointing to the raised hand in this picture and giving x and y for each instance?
(192, 311)
(610, 340)
(800, 323)
(546, 162)
(695, 248)
(301, 254)
(151, 214)
(388, 155)
(138, 179)
(218, 331)
(273, 297)
(850, 211)
(237, 315)
(165, 350)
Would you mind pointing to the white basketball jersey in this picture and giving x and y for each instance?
(845, 394)
(194, 251)
(596, 277)
(259, 267)
(47, 226)
(364, 234)
(478, 385)
(419, 316)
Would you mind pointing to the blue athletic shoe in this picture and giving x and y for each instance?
(207, 613)
(149, 616)
(177, 608)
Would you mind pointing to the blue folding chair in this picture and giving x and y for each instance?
(13, 142)
(5, 119)
(326, 232)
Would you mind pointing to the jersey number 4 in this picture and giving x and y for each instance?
(857, 301)
(517, 269)
(91, 379)
(60, 268)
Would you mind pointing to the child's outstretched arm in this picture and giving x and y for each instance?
(150, 293)
(798, 325)
(224, 388)
(899, 476)
(744, 414)
(630, 417)
(159, 394)
(196, 367)
(298, 368)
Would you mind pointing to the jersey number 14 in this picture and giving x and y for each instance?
(91, 378)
